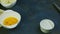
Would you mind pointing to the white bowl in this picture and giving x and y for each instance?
(8, 13)
(3, 3)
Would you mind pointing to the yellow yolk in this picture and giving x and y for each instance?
(10, 21)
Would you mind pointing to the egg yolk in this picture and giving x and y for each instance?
(10, 21)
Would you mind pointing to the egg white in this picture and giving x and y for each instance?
(9, 13)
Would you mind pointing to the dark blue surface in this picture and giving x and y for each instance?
(32, 12)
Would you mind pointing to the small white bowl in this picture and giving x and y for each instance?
(8, 13)
(4, 4)
(46, 25)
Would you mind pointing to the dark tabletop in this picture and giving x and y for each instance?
(32, 12)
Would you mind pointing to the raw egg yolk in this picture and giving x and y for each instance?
(10, 21)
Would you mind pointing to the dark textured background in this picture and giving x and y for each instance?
(32, 12)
